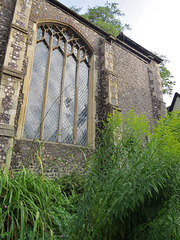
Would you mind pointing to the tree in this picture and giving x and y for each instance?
(106, 17)
(75, 9)
(166, 77)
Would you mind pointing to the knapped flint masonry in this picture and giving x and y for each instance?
(60, 76)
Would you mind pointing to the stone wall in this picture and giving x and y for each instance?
(121, 79)
(6, 15)
(133, 82)
(158, 105)
(12, 70)
(55, 159)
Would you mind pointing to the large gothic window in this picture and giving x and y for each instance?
(57, 107)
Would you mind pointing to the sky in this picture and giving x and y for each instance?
(155, 26)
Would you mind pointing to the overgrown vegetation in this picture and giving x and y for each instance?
(32, 207)
(133, 187)
(130, 191)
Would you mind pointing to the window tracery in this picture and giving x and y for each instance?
(57, 108)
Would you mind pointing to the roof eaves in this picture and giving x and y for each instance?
(121, 37)
(133, 50)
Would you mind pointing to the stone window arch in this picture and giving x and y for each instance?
(58, 102)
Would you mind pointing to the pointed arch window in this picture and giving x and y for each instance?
(57, 107)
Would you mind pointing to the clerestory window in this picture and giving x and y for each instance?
(57, 107)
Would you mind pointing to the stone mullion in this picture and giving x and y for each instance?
(91, 103)
(62, 90)
(76, 96)
(46, 88)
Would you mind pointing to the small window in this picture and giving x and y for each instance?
(57, 107)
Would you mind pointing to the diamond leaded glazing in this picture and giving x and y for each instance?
(69, 101)
(82, 107)
(51, 118)
(36, 93)
(57, 108)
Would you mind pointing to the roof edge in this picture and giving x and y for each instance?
(121, 39)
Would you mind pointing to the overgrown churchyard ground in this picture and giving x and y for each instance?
(130, 190)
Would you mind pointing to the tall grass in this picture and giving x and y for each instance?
(131, 189)
(133, 183)
(32, 207)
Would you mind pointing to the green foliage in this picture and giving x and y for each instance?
(133, 180)
(166, 77)
(32, 207)
(72, 183)
(131, 189)
(106, 17)
(75, 9)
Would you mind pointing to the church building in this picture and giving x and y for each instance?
(60, 76)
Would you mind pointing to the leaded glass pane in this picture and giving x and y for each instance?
(75, 50)
(82, 109)
(51, 120)
(53, 29)
(55, 41)
(62, 43)
(39, 34)
(82, 54)
(68, 102)
(36, 92)
(67, 35)
(87, 57)
(69, 48)
(47, 37)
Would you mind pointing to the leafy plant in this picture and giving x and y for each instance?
(31, 207)
(130, 189)
(166, 77)
(131, 181)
